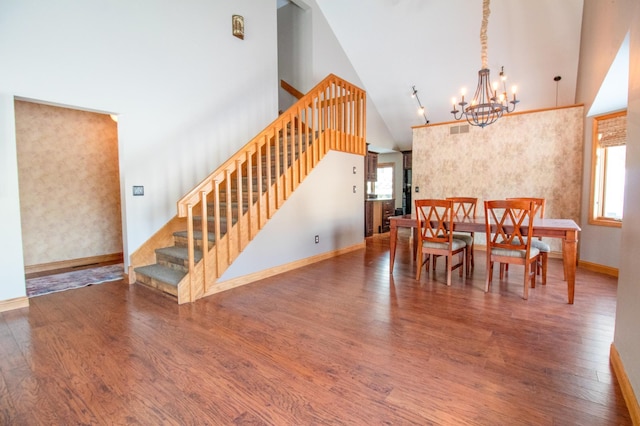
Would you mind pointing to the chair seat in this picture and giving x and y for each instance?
(533, 252)
(455, 245)
(541, 246)
(468, 239)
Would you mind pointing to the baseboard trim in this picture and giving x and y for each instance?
(607, 270)
(248, 279)
(73, 263)
(625, 386)
(11, 304)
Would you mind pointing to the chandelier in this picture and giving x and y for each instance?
(487, 104)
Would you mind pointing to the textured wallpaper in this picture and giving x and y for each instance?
(536, 154)
(69, 183)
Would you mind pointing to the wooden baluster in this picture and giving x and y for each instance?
(352, 120)
(307, 141)
(301, 151)
(285, 156)
(270, 204)
(314, 132)
(322, 118)
(216, 225)
(252, 218)
(278, 177)
(190, 242)
(334, 114)
(240, 201)
(229, 217)
(260, 204)
(205, 240)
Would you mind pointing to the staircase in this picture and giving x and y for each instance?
(234, 202)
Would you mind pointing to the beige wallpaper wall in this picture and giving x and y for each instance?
(536, 154)
(69, 183)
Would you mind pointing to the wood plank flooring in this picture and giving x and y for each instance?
(337, 342)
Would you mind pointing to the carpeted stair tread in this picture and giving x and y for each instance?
(196, 235)
(179, 252)
(161, 273)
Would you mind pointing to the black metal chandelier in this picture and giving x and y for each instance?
(487, 104)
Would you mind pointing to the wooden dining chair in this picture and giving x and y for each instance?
(435, 236)
(508, 224)
(465, 208)
(544, 248)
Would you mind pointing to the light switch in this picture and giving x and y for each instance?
(138, 190)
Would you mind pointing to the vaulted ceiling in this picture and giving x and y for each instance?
(434, 45)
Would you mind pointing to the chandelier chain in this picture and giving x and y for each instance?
(483, 33)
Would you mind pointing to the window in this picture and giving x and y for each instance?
(608, 169)
(383, 186)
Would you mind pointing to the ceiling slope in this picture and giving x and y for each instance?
(434, 45)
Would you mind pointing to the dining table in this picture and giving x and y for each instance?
(564, 229)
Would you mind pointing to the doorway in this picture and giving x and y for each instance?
(69, 184)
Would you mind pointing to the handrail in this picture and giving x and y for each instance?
(291, 90)
(247, 189)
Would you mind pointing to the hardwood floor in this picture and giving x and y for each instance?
(337, 342)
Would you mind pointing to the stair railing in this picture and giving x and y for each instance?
(248, 188)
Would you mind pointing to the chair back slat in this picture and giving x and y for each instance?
(538, 205)
(508, 222)
(464, 207)
(436, 220)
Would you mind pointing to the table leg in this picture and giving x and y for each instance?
(570, 249)
(393, 239)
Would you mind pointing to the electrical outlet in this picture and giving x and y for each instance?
(354, 170)
(354, 189)
(317, 239)
(417, 189)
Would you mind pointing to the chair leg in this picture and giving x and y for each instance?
(529, 272)
(489, 273)
(418, 265)
(449, 265)
(544, 259)
(564, 264)
(472, 257)
(532, 276)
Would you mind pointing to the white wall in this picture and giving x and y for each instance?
(328, 57)
(187, 92)
(294, 51)
(605, 25)
(324, 205)
(11, 259)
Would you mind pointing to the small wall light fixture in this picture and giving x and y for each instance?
(237, 26)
